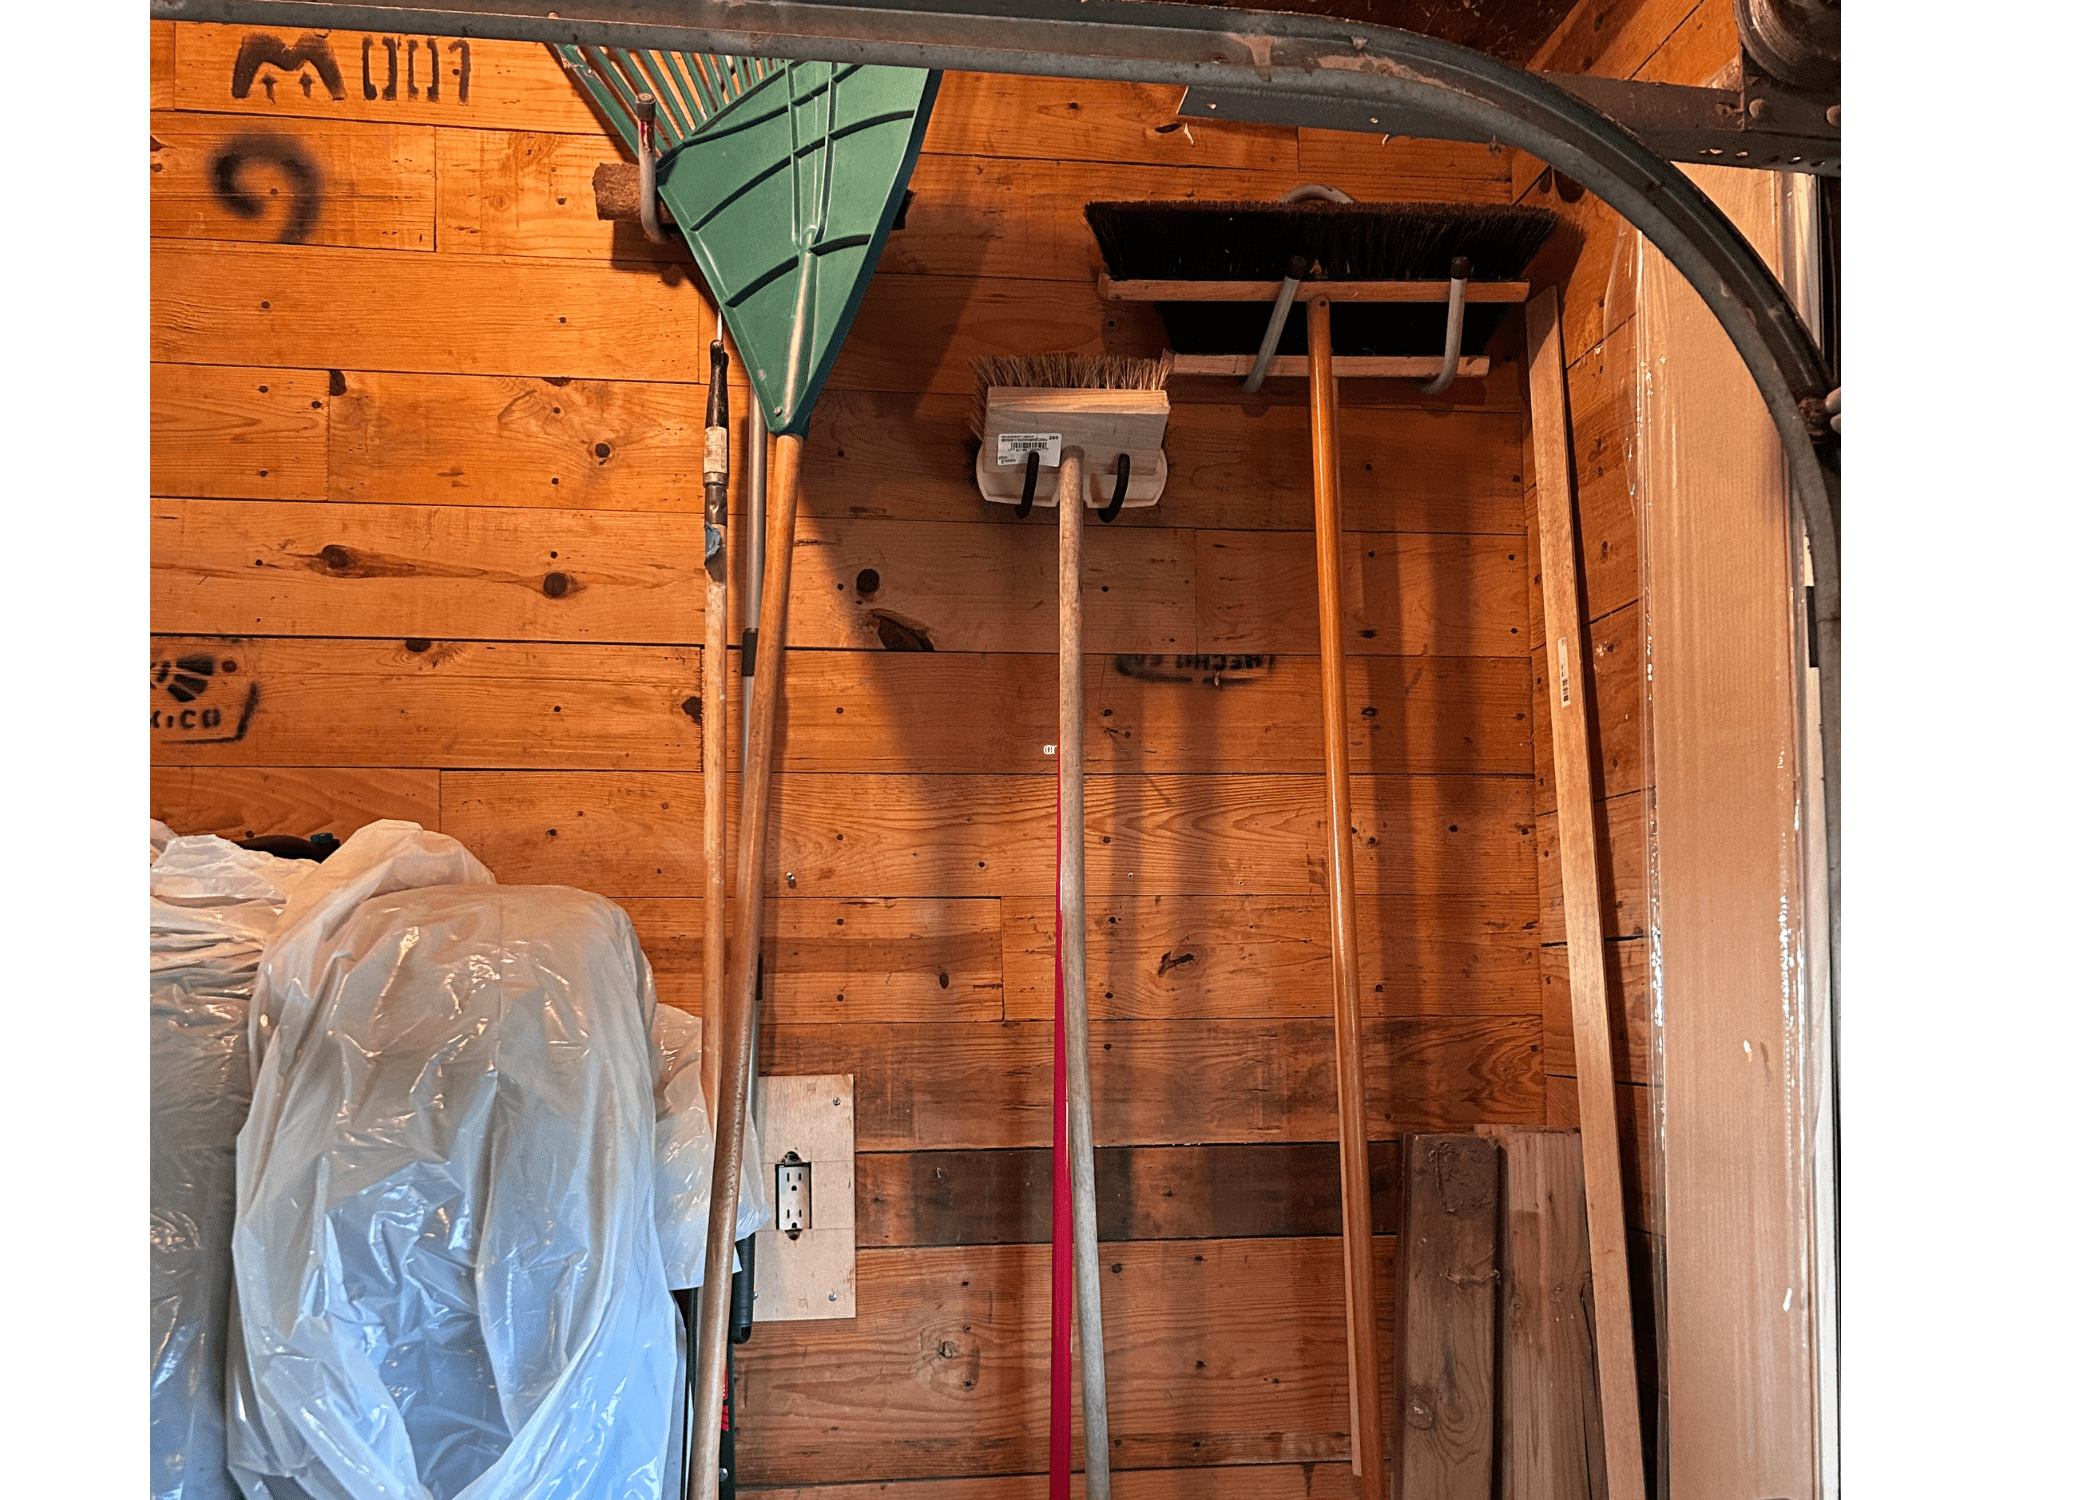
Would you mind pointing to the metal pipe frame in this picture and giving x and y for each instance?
(1283, 57)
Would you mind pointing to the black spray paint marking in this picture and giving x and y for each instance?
(1209, 670)
(260, 50)
(289, 157)
(183, 688)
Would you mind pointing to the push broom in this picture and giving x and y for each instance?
(784, 178)
(1100, 420)
(1212, 266)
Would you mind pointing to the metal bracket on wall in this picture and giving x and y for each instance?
(1760, 125)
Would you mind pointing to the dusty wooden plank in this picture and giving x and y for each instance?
(230, 433)
(850, 961)
(418, 702)
(1401, 595)
(1163, 957)
(242, 802)
(312, 182)
(308, 305)
(1319, 1481)
(527, 192)
(1628, 1004)
(1444, 1416)
(1548, 1386)
(1622, 869)
(1463, 838)
(1289, 1189)
(518, 441)
(1617, 690)
(1611, 38)
(1403, 168)
(1164, 1082)
(480, 84)
(1216, 1352)
(1078, 119)
(1636, 1162)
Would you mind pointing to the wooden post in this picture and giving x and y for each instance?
(1367, 1452)
(1444, 1380)
(734, 1091)
(1568, 695)
(1071, 877)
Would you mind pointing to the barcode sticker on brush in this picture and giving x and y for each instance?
(1014, 447)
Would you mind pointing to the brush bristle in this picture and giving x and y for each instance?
(1203, 240)
(1066, 372)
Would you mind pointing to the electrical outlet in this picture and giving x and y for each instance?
(791, 1195)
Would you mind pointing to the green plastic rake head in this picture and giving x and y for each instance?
(785, 178)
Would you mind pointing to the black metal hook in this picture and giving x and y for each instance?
(1114, 507)
(1035, 464)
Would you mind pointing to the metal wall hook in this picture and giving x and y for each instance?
(1035, 466)
(1114, 507)
(1286, 294)
(1454, 325)
(645, 153)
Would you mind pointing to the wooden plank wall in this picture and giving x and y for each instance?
(425, 528)
(1663, 41)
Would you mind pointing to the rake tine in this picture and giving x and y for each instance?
(704, 106)
(665, 94)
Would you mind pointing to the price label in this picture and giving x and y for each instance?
(1014, 447)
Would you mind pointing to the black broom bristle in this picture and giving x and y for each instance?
(1202, 240)
(1221, 241)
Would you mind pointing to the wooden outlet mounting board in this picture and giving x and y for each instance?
(810, 1276)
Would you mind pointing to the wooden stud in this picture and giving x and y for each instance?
(1569, 700)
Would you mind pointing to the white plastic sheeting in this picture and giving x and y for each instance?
(212, 907)
(477, 1159)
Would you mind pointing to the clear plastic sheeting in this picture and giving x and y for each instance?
(213, 906)
(685, 1154)
(456, 1231)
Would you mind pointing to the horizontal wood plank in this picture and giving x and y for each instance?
(1463, 838)
(246, 801)
(1167, 1082)
(1099, 120)
(1152, 957)
(306, 305)
(1291, 1189)
(1403, 167)
(1328, 1481)
(927, 961)
(313, 182)
(1401, 595)
(480, 84)
(230, 433)
(522, 441)
(528, 192)
(1221, 1352)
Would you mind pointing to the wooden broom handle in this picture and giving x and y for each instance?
(1071, 859)
(734, 1091)
(1367, 1451)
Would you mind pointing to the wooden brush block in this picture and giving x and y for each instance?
(1103, 423)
